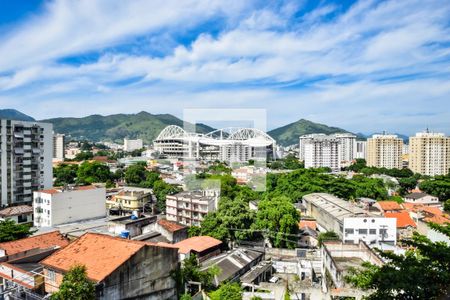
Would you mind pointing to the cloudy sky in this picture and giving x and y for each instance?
(365, 66)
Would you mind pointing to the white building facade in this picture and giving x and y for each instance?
(60, 206)
(26, 150)
(190, 208)
(371, 230)
(58, 147)
(321, 151)
(361, 149)
(131, 145)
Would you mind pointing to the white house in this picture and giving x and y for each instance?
(422, 198)
(370, 230)
(59, 206)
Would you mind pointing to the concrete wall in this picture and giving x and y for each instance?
(373, 227)
(70, 206)
(146, 275)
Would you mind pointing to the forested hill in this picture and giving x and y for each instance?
(289, 134)
(143, 125)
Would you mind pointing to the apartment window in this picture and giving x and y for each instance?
(372, 231)
(51, 275)
(349, 231)
(362, 231)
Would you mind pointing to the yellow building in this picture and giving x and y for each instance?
(130, 200)
(385, 151)
(429, 153)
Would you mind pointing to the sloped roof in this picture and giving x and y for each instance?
(197, 243)
(41, 241)
(403, 219)
(170, 226)
(16, 210)
(389, 205)
(101, 254)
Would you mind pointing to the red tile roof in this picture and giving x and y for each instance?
(403, 219)
(41, 241)
(49, 191)
(197, 243)
(307, 223)
(101, 254)
(170, 226)
(16, 210)
(389, 205)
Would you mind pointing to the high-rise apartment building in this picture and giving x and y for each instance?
(347, 146)
(26, 150)
(322, 151)
(384, 151)
(58, 147)
(361, 149)
(429, 153)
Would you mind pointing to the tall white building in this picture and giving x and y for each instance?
(26, 150)
(346, 144)
(361, 149)
(58, 147)
(322, 151)
(385, 151)
(60, 206)
(131, 145)
(429, 153)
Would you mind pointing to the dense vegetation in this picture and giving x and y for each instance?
(11, 231)
(423, 273)
(84, 174)
(115, 128)
(227, 291)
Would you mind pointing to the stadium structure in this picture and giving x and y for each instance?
(228, 144)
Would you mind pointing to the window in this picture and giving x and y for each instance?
(372, 231)
(349, 230)
(51, 275)
(383, 232)
(362, 231)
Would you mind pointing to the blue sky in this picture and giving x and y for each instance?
(365, 66)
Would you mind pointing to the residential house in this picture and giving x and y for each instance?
(202, 246)
(20, 214)
(405, 224)
(41, 241)
(422, 198)
(120, 268)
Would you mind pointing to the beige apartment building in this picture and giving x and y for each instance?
(384, 151)
(429, 153)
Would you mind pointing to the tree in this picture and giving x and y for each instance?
(85, 155)
(447, 206)
(161, 190)
(438, 186)
(135, 174)
(65, 174)
(327, 236)
(422, 273)
(280, 218)
(75, 285)
(90, 172)
(186, 296)
(11, 231)
(190, 271)
(227, 291)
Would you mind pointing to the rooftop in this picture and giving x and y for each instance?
(170, 226)
(389, 205)
(16, 210)
(56, 190)
(337, 207)
(403, 219)
(416, 195)
(101, 254)
(197, 243)
(41, 241)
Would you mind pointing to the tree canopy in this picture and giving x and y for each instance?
(75, 285)
(227, 291)
(11, 231)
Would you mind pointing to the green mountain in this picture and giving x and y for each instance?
(289, 134)
(13, 114)
(115, 128)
